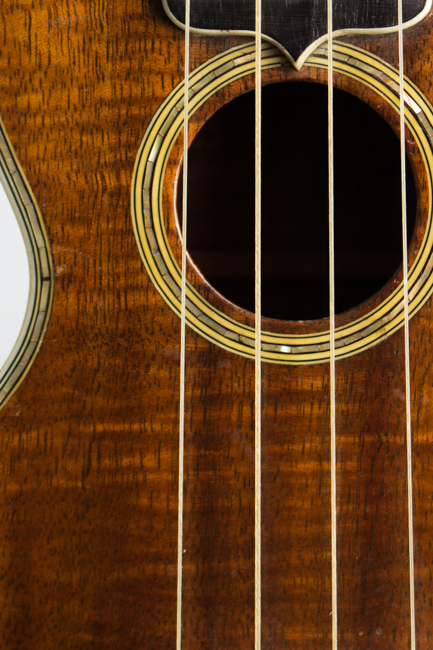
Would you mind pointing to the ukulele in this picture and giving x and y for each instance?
(137, 511)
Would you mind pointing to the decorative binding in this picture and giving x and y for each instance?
(296, 27)
(159, 260)
(41, 271)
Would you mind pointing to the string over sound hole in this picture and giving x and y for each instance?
(294, 195)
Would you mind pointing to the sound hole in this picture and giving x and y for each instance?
(295, 201)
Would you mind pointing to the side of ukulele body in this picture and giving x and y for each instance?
(89, 441)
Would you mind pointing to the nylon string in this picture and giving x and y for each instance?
(258, 330)
(332, 331)
(406, 328)
(182, 338)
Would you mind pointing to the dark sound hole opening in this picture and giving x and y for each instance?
(295, 201)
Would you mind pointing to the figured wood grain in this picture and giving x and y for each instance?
(89, 442)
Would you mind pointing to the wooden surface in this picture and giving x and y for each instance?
(89, 442)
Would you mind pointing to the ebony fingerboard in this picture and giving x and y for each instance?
(295, 24)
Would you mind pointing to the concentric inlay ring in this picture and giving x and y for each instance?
(158, 257)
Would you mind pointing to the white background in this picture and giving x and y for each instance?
(14, 278)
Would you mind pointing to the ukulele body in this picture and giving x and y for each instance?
(89, 441)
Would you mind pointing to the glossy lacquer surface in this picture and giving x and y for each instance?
(89, 441)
